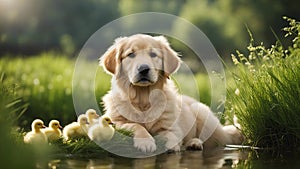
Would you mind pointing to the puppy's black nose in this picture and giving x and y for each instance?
(143, 69)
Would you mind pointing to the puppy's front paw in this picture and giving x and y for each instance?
(194, 144)
(172, 146)
(146, 145)
(174, 149)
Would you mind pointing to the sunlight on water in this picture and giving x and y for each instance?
(214, 159)
(8, 5)
(188, 159)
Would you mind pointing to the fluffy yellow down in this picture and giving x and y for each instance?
(36, 136)
(53, 132)
(103, 131)
(76, 129)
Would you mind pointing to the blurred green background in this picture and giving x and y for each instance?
(29, 27)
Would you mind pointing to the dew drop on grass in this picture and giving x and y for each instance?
(237, 92)
(36, 81)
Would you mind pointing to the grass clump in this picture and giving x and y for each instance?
(84, 147)
(121, 144)
(266, 90)
(13, 152)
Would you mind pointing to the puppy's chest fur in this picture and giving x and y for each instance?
(139, 98)
(150, 107)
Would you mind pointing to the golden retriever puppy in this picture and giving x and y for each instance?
(143, 98)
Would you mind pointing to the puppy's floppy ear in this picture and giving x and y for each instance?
(171, 61)
(109, 59)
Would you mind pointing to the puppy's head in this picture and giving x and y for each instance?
(143, 59)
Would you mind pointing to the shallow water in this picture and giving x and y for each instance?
(222, 159)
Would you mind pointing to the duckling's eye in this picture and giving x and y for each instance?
(131, 55)
(152, 54)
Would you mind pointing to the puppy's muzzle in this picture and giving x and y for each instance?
(143, 70)
(143, 76)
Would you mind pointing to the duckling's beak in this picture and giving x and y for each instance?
(59, 126)
(43, 126)
(112, 124)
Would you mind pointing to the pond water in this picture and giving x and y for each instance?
(217, 159)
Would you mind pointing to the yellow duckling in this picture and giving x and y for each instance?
(76, 129)
(92, 116)
(36, 136)
(53, 132)
(103, 131)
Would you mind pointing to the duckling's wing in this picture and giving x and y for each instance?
(108, 132)
(68, 131)
(36, 138)
(28, 137)
(94, 132)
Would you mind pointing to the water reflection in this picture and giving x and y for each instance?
(188, 159)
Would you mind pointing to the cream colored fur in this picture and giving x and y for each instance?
(153, 106)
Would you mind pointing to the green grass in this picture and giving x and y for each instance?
(267, 101)
(13, 153)
(194, 85)
(45, 83)
(121, 144)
